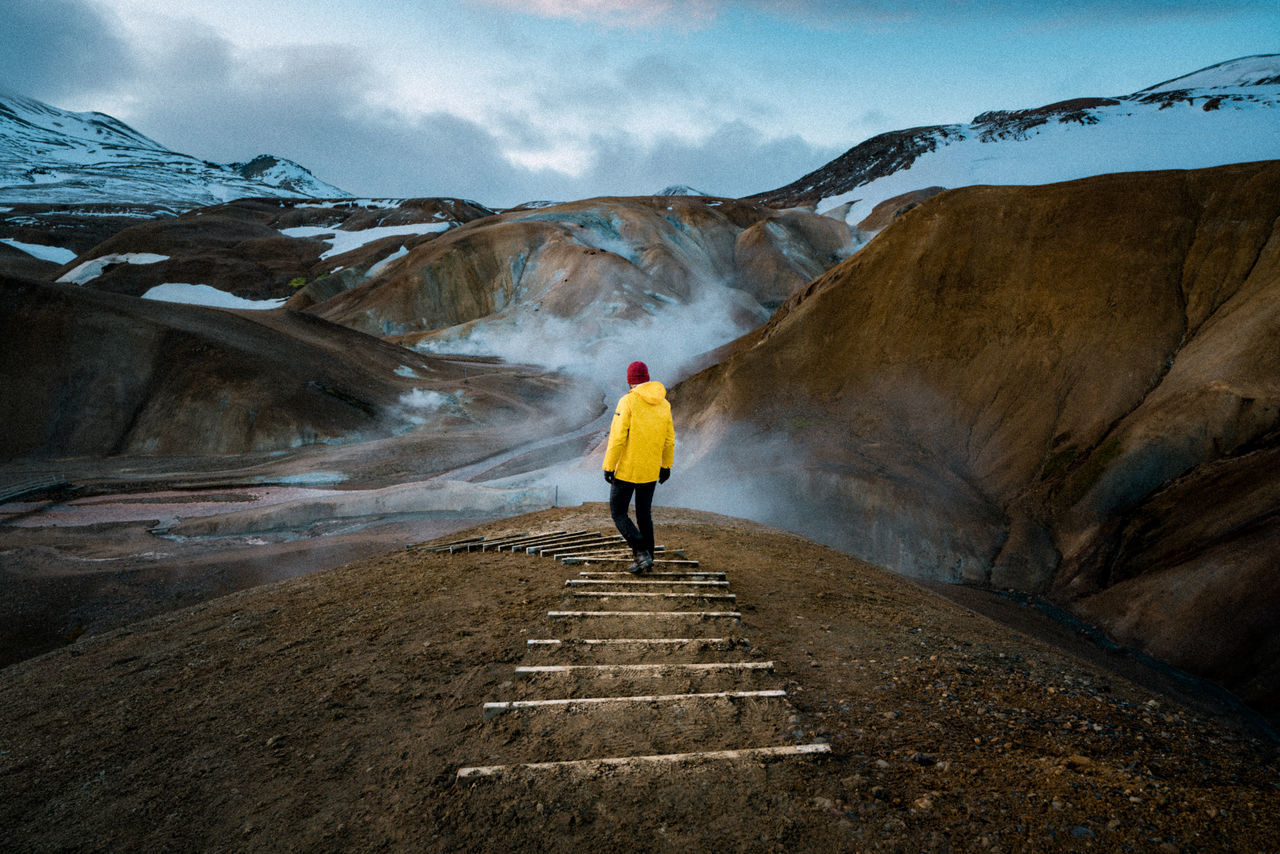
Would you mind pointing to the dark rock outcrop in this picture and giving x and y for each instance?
(878, 157)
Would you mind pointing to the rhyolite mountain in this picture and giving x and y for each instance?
(1069, 389)
(584, 284)
(561, 286)
(54, 156)
(1226, 113)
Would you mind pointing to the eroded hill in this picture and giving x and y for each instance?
(1068, 388)
(94, 374)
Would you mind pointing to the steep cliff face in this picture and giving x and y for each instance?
(1044, 388)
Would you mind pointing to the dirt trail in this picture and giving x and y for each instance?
(641, 698)
(333, 712)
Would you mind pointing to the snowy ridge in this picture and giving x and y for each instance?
(1261, 70)
(54, 156)
(1228, 113)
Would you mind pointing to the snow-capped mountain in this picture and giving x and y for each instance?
(681, 190)
(1226, 113)
(49, 155)
(287, 175)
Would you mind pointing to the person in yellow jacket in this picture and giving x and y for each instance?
(641, 449)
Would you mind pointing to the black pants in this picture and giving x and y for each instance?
(620, 493)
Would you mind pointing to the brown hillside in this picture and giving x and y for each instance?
(1069, 388)
(623, 256)
(333, 712)
(74, 227)
(88, 373)
(238, 247)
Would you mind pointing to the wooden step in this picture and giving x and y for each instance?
(629, 763)
(498, 707)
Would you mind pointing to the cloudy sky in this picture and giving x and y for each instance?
(504, 101)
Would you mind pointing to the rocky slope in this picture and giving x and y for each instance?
(264, 249)
(89, 373)
(592, 281)
(559, 285)
(1036, 388)
(38, 240)
(54, 156)
(1226, 113)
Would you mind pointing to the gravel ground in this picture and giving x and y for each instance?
(333, 712)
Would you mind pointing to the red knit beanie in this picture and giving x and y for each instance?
(637, 373)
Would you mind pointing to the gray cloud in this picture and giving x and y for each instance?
(657, 74)
(736, 160)
(309, 105)
(197, 93)
(55, 49)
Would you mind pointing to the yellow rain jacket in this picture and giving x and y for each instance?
(642, 438)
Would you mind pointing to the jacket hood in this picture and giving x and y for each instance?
(652, 392)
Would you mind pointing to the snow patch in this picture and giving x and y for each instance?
(1247, 71)
(346, 241)
(90, 270)
(55, 254)
(383, 264)
(205, 295)
(369, 204)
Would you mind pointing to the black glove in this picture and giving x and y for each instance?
(608, 477)
(663, 474)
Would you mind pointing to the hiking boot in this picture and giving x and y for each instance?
(638, 565)
(645, 561)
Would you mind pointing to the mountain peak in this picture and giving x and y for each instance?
(286, 175)
(51, 155)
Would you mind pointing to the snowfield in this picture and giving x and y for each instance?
(1227, 113)
(1128, 137)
